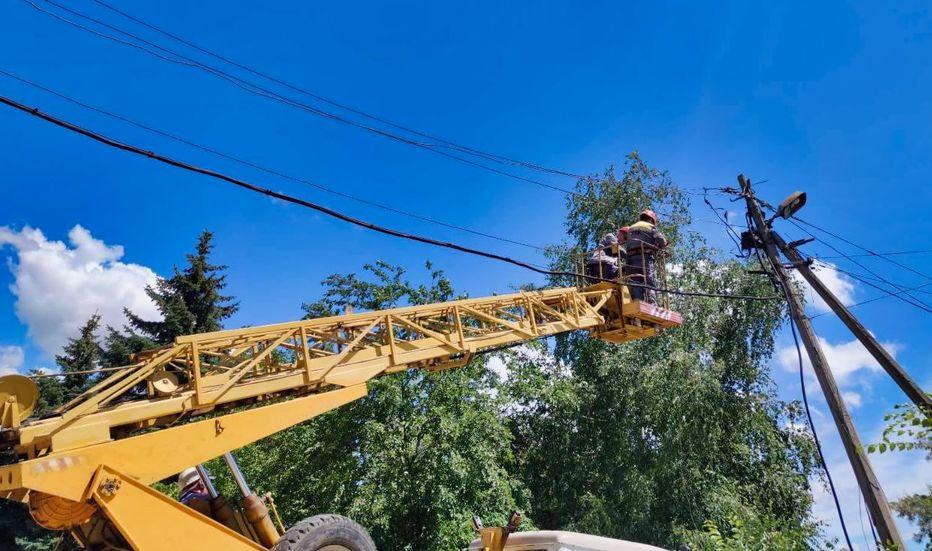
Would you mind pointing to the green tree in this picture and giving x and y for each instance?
(81, 354)
(746, 528)
(910, 428)
(918, 509)
(190, 301)
(640, 440)
(413, 460)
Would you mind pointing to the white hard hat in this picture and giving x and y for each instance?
(187, 477)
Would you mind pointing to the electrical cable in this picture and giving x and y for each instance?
(262, 91)
(883, 296)
(918, 288)
(34, 111)
(870, 519)
(257, 89)
(888, 293)
(299, 89)
(257, 166)
(861, 277)
(865, 249)
(892, 253)
(815, 436)
(802, 383)
(729, 230)
(914, 300)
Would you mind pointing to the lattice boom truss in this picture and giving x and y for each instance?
(237, 366)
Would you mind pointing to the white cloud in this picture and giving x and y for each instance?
(11, 359)
(852, 399)
(58, 286)
(845, 359)
(839, 284)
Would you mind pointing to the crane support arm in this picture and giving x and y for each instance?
(276, 376)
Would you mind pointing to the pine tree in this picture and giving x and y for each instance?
(81, 354)
(190, 301)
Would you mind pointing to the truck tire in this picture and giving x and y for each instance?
(325, 533)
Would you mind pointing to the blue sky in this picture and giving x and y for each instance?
(827, 97)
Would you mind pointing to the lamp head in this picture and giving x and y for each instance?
(791, 204)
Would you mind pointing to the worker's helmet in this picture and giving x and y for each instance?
(623, 233)
(608, 240)
(188, 477)
(649, 216)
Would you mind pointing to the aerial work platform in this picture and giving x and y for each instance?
(254, 382)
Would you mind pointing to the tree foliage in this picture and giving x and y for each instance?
(909, 427)
(651, 432)
(413, 460)
(189, 302)
(669, 440)
(917, 508)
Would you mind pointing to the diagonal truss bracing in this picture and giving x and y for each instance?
(237, 367)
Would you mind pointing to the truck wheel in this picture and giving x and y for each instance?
(325, 533)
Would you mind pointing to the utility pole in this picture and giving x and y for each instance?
(870, 487)
(884, 358)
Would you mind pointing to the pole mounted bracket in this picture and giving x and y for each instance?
(750, 241)
(800, 242)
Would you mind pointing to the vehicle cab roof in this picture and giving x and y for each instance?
(544, 539)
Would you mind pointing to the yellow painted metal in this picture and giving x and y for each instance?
(152, 456)
(18, 398)
(493, 538)
(150, 520)
(229, 367)
(273, 377)
(58, 513)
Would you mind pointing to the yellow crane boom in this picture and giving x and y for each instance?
(88, 467)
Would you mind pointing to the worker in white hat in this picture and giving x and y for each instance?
(193, 492)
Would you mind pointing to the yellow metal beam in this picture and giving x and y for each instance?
(152, 456)
(224, 367)
(151, 520)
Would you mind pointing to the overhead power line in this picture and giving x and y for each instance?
(865, 249)
(34, 111)
(892, 253)
(908, 299)
(334, 103)
(863, 279)
(815, 438)
(886, 294)
(252, 87)
(260, 90)
(818, 260)
(257, 166)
